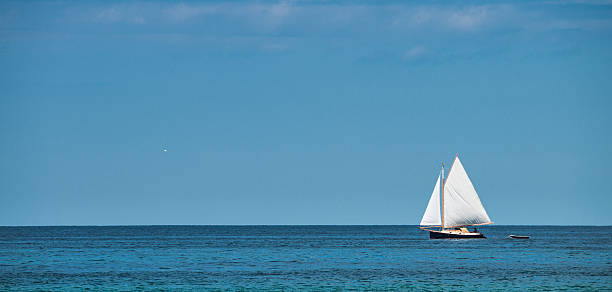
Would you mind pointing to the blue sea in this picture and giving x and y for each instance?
(288, 258)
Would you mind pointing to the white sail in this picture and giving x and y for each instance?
(461, 203)
(432, 213)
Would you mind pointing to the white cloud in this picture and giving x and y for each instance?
(469, 18)
(279, 10)
(267, 16)
(324, 19)
(464, 18)
(414, 53)
(109, 15)
(259, 14)
(118, 14)
(183, 12)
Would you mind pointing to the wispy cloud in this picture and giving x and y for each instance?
(118, 14)
(275, 14)
(321, 18)
(414, 53)
(465, 18)
(470, 18)
(184, 12)
(278, 26)
(269, 15)
(108, 15)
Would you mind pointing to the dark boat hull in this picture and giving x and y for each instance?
(446, 235)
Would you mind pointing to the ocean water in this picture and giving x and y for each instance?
(287, 258)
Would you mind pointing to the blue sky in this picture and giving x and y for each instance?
(302, 112)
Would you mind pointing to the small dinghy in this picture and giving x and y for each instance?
(518, 236)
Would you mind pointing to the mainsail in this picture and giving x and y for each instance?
(462, 205)
(432, 213)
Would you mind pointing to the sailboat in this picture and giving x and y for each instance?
(454, 205)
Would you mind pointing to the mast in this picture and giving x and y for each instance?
(442, 196)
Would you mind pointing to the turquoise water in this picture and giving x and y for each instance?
(302, 258)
